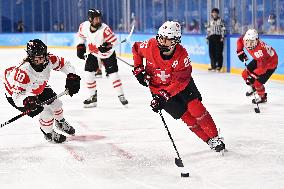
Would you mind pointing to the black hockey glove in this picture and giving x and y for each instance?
(251, 78)
(32, 103)
(72, 83)
(81, 50)
(242, 56)
(142, 77)
(106, 46)
(159, 100)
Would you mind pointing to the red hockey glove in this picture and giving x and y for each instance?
(106, 46)
(242, 56)
(81, 50)
(159, 100)
(32, 103)
(142, 77)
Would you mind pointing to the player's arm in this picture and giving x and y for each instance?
(109, 40)
(81, 47)
(240, 50)
(139, 72)
(72, 80)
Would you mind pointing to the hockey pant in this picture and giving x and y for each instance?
(111, 69)
(199, 120)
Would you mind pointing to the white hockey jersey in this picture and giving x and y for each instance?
(22, 81)
(96, 39)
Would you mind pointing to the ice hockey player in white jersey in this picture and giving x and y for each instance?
(97, 39)
(27, 86)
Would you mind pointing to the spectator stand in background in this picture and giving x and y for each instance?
(20, 26)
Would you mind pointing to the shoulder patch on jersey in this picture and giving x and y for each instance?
(21, 76)
(53, 59)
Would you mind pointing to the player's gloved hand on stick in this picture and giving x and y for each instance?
(142, 77)
(81, 50)
(106, 46)
(72, 83)
(251, 78)
(242, 56)
(159, 100)
(32, 103)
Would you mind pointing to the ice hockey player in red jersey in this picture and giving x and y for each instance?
(27, 86)
(99, 40)
(260, 69)
(168, 74)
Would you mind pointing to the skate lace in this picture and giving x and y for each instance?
(213, 142)
(55, 136)
(64, 125)
(122, 98)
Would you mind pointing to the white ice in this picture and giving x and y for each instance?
(116, 147)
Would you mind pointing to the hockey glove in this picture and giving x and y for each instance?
(142, 77)
(251, 78)
(72, 83)
(106, 46)
(159, 100)
(32, 103)
(242, 55)
(81, 50)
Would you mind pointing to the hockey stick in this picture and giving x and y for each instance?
(28, 111)
(178, 161)
(124, 61)
(257, 109)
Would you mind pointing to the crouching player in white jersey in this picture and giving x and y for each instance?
(99, 39)
(26, 87)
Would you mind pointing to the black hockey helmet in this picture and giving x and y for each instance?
(215, 10)
(36, 47)
(92, 13)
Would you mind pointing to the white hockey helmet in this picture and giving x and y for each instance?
(251, 39)
(170, 30)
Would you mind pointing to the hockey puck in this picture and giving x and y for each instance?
(184, 174)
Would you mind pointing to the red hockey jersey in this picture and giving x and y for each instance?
(171, 75)
(265, 56)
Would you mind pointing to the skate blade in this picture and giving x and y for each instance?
(222, 152)
(90, 105)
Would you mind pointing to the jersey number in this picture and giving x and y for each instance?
(144, 44)
(20, 77)
(258, 54)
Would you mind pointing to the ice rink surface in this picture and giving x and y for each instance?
(128, 148)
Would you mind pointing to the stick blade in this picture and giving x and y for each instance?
(257, 110)
(179, 162)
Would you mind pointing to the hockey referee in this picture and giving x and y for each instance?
(215, 35)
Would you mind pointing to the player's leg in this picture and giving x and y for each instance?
(91, 67)
(259, 86)
(112, 70)
(56, 107)
(245, 74)
(46, 126)
(205, 121)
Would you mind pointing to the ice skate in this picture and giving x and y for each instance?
(259, 99)
(123, 100)
(211, 69)
(54, 137)
(64, 126)
(216, 144)
(91, 102)
(250, 91)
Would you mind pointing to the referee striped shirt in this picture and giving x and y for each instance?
(216, 27)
